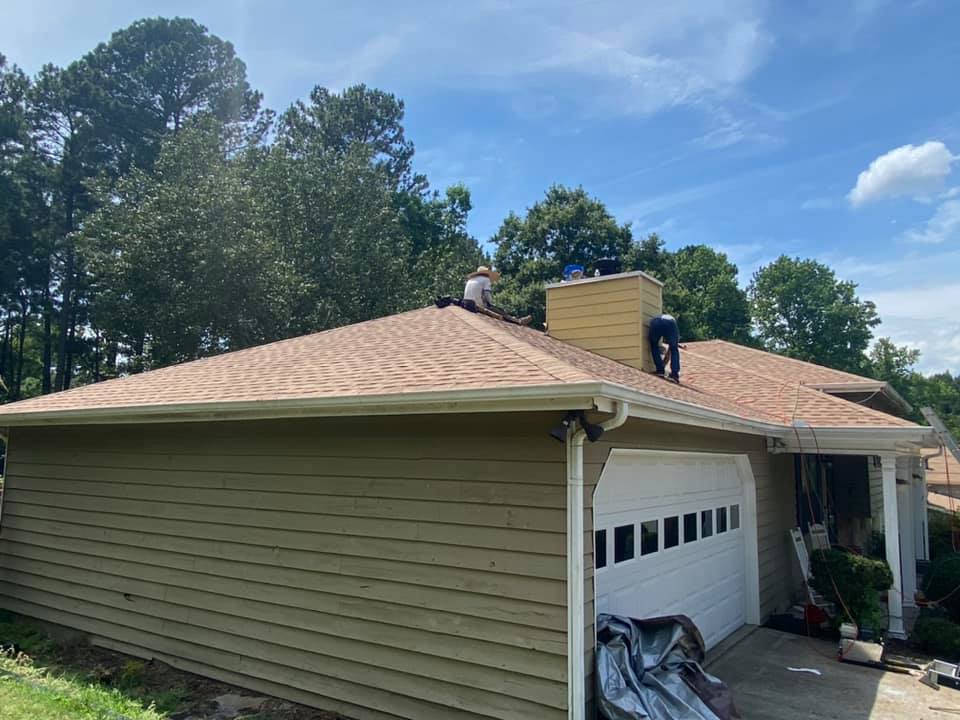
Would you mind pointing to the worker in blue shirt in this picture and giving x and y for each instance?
(664, 327)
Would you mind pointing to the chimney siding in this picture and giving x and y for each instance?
(606, 315)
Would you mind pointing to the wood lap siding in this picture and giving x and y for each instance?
(407, 567)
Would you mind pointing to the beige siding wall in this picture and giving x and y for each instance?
(775, 500)
(410, 567)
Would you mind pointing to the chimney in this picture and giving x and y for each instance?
(608, 315)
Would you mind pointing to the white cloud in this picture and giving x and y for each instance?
(943, 226)
(911, 170)
(923, 317)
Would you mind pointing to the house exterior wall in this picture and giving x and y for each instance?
(396, 567)
(775, 501)
(407, 567)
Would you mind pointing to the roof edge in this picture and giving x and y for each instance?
(572, 396)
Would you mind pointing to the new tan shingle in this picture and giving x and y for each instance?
(784, 397)
(432, 350)
(772, 365)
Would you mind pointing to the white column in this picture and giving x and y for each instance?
(920, 508)
(907, 543)
(891, 529)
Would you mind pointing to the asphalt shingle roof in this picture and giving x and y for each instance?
(432, 350)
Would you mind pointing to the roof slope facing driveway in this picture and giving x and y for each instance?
(436, 350)
(785, 399)
(774, 366)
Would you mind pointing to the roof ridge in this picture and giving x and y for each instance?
(869, 412)
(548, 363)
(781, 356)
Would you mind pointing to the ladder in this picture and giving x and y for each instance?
(946, 437)
(803, 557)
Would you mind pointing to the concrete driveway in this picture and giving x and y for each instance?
(763, 688)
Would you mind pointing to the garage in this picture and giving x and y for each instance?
(675, 533)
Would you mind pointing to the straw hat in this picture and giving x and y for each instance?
(484, 270)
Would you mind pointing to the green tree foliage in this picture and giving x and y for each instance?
(801, 309)
(216, 248)
(150, 78)
(702, 292)
(567, 226)
(180, 258)
(940, 391)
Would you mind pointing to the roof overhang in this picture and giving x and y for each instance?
(851, 388)
(573, 396)
(600, 396)
(866, 440)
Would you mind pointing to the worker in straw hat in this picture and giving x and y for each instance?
(478, 295)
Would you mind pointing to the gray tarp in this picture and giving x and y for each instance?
(651, 669)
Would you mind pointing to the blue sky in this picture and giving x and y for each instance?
(825, 130)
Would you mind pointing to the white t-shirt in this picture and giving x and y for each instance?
(475, 287)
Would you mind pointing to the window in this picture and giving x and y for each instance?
(706, 523)
(600, 549)
(734, 517)
(623, 543)
(649, 537)
(721, 520)
(671, 532)
(689, 528)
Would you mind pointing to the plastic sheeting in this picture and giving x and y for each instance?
(651, 669)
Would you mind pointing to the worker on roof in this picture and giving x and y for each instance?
(664, 327)
(478, 296)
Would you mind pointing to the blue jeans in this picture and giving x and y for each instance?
(665, 329)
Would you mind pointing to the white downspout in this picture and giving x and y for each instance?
(576, 627)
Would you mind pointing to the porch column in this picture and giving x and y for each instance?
(907, 543)
(891, 530)
(920, 507)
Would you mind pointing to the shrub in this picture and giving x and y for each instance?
(940, 529)
(942, 583)
(938, 636)
(852, 582)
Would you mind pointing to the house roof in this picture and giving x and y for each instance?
(943, 474)
(773, 365)
(776, 395)
(433, 351)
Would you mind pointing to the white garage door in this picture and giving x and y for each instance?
(672, 536)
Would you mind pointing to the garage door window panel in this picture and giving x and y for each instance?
(623, 543)
(649, 537)
(721, 519)
(671, 532)
(734, 517)
(706, 523)
(690, 528)
(600, 549)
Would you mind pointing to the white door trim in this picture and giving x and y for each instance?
(748, 520)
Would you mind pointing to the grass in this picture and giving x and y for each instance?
(43, 680)
(31, 693)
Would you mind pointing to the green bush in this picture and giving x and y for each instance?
(940, 529)
(938, 636)
(852, 583)
(943, 581)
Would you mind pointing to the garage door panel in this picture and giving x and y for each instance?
(704, 578)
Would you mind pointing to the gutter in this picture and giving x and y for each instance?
(576, 628)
